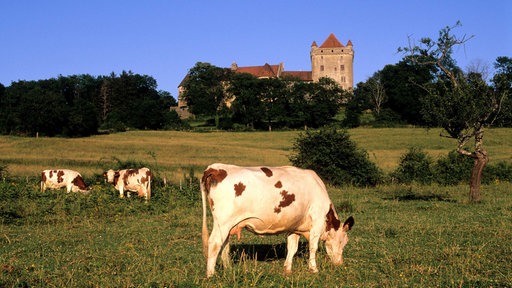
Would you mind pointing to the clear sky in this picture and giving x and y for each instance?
(165, 38)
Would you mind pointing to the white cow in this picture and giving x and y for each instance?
(136, 180)
(268, 201)
(58, 178)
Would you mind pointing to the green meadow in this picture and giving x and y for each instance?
(404, 235)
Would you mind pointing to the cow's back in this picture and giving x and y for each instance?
(266, 200)
(58, 178)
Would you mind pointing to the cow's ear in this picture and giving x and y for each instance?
(116, 174)
(348, 224)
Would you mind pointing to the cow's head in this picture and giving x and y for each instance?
(336, 236)
(110, 175)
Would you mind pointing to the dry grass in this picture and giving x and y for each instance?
(172, 153)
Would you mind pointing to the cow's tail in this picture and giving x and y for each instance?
(43, 179)
(205, 226)
(148, 188)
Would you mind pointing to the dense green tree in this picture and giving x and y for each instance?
(77, 105)
(502, 82)
(325, 101)
(402, 84)
(273, 99)
(299, 101)
(205, 89)
(246, 106)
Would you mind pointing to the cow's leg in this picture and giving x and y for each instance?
(121, 192)
(143, 192)
(226, 262)
(313, 247)
(292, 244)
(215, 243)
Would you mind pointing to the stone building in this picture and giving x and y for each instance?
(331, 59)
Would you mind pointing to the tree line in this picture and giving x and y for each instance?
(83, 105)
(245, 101)
(399, 94)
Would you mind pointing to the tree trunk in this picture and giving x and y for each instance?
(480, 160)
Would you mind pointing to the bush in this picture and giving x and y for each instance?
(4, 172)
(335, 158)
(502, 171)
(453, 169)
(414, 166)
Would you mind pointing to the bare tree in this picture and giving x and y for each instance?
(480, 67)
(462, 104)
(377, 92)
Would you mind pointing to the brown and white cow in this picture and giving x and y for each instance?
(58, 178)
(135, 180)
(268, 201)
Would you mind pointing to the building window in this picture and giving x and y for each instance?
(343, 79)
(321, 67)
(342, 67)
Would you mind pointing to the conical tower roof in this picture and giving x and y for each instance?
(331, 42)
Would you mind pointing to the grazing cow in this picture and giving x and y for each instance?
(269, 201)
(136, 180)
(58, 178)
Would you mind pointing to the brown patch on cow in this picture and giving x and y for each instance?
(43, 177)
(287, 201)
(210, 201)
(267, 171)
(59, 176)
(332, 222)
(239, 188)
(148, 176)
(51, 173)
(116, 177)
(212, 177)
(128, 174)
(278, 184)
(79, 182)
(145, 179)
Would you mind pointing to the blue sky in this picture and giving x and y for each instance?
(165, 38)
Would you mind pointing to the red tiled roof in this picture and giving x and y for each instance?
(260, 71)
(301, 75)
(331, 42)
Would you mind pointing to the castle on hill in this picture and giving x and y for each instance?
(331, 59)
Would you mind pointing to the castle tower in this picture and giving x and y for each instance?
(333, 60)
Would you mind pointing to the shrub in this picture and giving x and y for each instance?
(453, 169)
(4, 172)
(414, 166)
(335, 158)
(501, 171)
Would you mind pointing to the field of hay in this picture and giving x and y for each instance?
(172, 153)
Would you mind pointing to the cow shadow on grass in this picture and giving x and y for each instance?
(264, 252)
(411, 195)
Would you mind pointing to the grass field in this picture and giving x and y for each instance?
(404, 236)
(173, 153)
